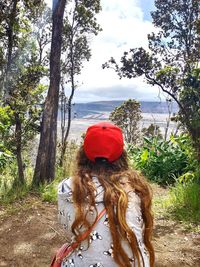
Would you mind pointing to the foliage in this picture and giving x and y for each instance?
(127, 117)
(27, 99)
(17, 19)
(171, 62)
(23, 112)
(23, 66)
(151, 131)
(163, 161)
(79, 24)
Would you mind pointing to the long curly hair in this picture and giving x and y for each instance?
(112, 177)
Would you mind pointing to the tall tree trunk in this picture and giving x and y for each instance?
(46, 158)
(18, 137)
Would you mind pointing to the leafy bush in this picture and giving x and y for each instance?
(162, 161)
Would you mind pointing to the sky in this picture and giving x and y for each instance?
(125, 25)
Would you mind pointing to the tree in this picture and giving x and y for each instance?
(171, 63)
(127, 117)
(21, 73)
(25, 103)
(15, 16)
(79, 24)
(46, 157)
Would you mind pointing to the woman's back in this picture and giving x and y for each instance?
(100, 251)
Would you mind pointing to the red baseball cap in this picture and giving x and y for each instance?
(103, 140)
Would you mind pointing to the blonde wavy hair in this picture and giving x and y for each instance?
(113, 177)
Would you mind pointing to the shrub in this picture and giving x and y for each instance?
(162, 161)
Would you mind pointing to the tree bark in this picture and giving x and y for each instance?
(18, 137)
(46, 158)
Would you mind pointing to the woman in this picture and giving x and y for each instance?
(103, 179)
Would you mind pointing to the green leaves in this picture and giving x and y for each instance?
(144, 156)
(163, 161)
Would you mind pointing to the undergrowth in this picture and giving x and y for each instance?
(184, 203)
(11, 190)
(181, 203)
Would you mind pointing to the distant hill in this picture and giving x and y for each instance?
(101, 109)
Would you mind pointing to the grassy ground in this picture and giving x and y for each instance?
(180, 203)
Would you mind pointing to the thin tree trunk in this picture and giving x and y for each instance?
(64, 145)
(169, 107)
(18, 137)
(178, 125)
(63, 107)
(46, 158)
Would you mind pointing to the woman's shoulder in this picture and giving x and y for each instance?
(65, 188)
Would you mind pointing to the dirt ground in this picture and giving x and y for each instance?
(29, 235)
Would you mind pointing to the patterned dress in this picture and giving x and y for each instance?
(100, 252)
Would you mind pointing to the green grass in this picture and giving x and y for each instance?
(185, 200)
(182, 203)
(48, 192)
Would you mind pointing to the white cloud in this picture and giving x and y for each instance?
(124, 27)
